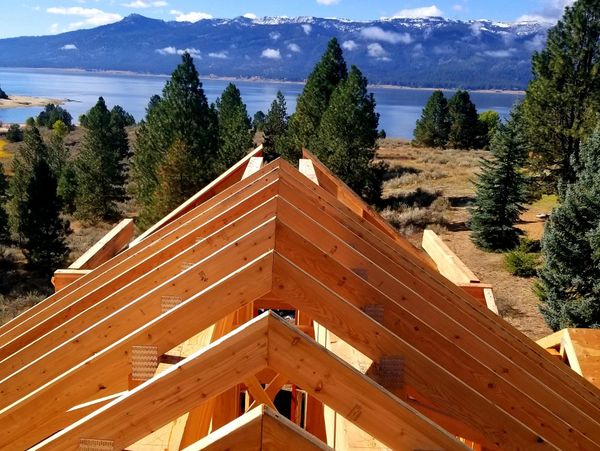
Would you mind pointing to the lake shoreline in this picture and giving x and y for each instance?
(255, 80)
(19, 101)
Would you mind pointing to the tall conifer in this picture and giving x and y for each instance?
(464, 121)
(235, 131)
(563, 98)
(434, 125)
(312, 103)
(500, 190)
(275, 125)
(347, 136)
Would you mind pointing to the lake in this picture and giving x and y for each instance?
(399, 108)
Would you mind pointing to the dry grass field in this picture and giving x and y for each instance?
(432, 188)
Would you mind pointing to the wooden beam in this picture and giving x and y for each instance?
(107, 247)
(40, 414)
(501, 336)
(249, 349)
(261, 429)
(447, 262)
(65, 277)
(253, 166)
(199, 239)
(213, 257)
(200, 377)
(527, 400)
(225, 180)
(258, 393)
(307, 168)
(261, 180)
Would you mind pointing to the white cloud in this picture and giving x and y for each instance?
(145, 4)
(375, 50)
(536, 43)
(416, 13)
(250, 16)
(93, 17)
(499, 53)
(274, 35)
(307, 28)
(219, 55)
(69, 47)
(349, 45)
(175, 51)
(378, 34)
(458, 7)
(549, 14)
(193, 16)
(273, 54)
(294, 47)
(328, 2)
(54, 28)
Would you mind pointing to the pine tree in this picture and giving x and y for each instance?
(235, 131)
(500, 190)
(28, 154)
(312, 103)
(347, 137)
(464, 124)
(4, 231)
(489, 121)
(99, 168)
(275, 126)
(43, 230)
(175, 177)
(182, 113)
(433, 128)
(569, 283)
(3, 94)
(563, 98)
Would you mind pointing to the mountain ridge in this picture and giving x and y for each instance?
(414, 52)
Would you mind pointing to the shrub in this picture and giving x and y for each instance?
(524, 260)
(14, 134)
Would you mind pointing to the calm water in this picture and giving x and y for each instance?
(399, 108)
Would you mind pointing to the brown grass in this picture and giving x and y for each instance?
(432, 188)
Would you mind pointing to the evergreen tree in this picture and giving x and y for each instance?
(3, 95)
(563, 98)
(4, 231)
(14, 133)
(489, 121)
(275, 126)
(53, 113)
(434, 126)
(43, 230)
(500, 190)
(312, 103)
(235, 132)
(175, 177)
(569, 283)
(28, 154)
(346, 139)
(182, 113)
(464, 123)
(99, 167)
(258, 121)
(57, 151)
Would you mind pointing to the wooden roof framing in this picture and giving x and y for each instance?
(273, 236)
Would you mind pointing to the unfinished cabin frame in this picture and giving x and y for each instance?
(171, 340)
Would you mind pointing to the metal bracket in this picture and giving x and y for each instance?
(375, 311)
(92, 444)
(168, 302)
(144, 362)
(391, 372)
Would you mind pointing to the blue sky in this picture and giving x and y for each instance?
(39, 17)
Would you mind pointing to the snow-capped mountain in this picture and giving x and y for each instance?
(410, 52)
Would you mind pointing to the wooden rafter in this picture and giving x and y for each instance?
(256, 345)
